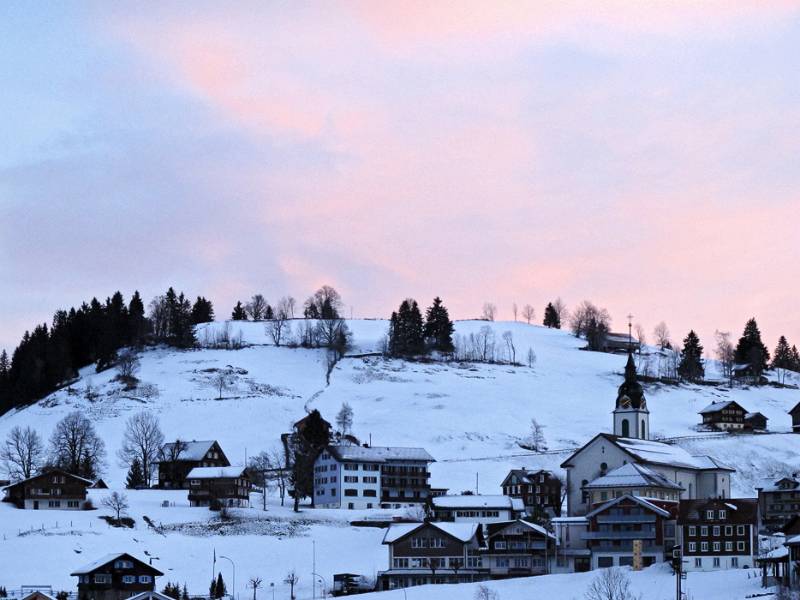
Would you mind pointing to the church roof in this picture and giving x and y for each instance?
(633, 476)
(630, 393)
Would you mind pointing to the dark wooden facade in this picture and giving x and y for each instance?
(219, 486)
(540, 491)
(725, 416)
(115, 577)
(795, 413)
(719, 534)
(53, 489)
(518, 549)
(175, 462)
(779, 503)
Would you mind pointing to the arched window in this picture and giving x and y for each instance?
(626, 428)
(643, 432)
(584, 493)
(603, 467)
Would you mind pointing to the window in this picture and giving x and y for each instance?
(371, 479)
(716, 546)
(735, 561)
(351, 492)
(123, 564)
(698, 563)
(728, 546)
(145, 579)
(710, 515)
(54, 504)
(604, 562)
(520, 562)
(501, 562)
(195, 482)
(72, 503)
(703, 546)
(722, 514)
(370, 493)
(740, 530)
(102, 578)
(703, 530)
(498, 545)
(716, 530)
(728, 530)
(129, 579)
(716, 561)
(603, 467)
(350, 479)
(400, 563)
(350, 467)
(692, 530)
(740, 546)
(692, 547)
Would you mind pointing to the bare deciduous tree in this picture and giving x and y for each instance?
(277, 327)
(531, 358)
(508, 338)
(257, 307)
(254, 584)
(561, 310)
(222, 380)
(591, 322)
(661, 335)
(22, 453)
(514, 310)
(486, 593)
(291, 580)
(536, 440)
(344, 418)
(528, 313)
(640, 335)
(127, 365)
(76, 447)
(489, 311)
(116, 502)
(142, 441)
(610, 584)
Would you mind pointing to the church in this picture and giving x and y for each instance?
(629, 462)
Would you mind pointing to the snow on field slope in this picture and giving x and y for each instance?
(468, 416)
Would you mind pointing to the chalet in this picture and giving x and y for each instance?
(518, 549)
(620, 342)
(39, 595)
(177, 458)
(222, 486)
(540, 491)
(52, 489)
(358, 477)
(630, 526)
(725, 416)
(795, 413)
(116, 576)
(634, 479)
(423, 553)
(718, 534)
(779, 502)
(755, 421)
(469, 508)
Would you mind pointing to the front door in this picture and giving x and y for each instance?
(35, 505)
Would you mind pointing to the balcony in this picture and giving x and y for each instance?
(618, 535)
(626, 519)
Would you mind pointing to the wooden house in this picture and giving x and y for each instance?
(518, 549)
(117, 576)
(779, 502)
(52, 489)
(177, 458)
(221, 486)
(755, 421)
(795, 413)
(540, 491)
(724, 416)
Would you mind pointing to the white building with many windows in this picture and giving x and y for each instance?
(358, 477)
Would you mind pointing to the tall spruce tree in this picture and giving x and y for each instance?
(551, 318)
(137, 322)
(202, 311)
(782, 358)
(239, 313)
(751, 350)
(438, 330)
(691, 364)
(135, 479)
(406, 331)
(220, 590)
(795, 359)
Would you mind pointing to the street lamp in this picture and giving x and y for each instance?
(324, 583)
(234, 575)
(272, 586)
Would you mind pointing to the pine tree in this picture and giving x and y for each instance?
(751, 350)
(691, 364)
(185, 593)
(202, 311)
(239, 313)
(269, 313)
(782, 359)
(137, 322)
(212, 589)
(135, 479)
(406, 330)
(220, 590)
(795, 359)
(438, 330)
(551, 318)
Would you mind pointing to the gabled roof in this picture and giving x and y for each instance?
(497, 528)
(194, 450)
(776, 486)
(152, 595)
(640, 501)
(634, 476)
(88, 482)
(739, 510)
(109, 558)
(794, 409)
(715, 407)
(463, 532)
(379, 454)
(216, 472)
(525, 475)
(478, 501)
(753, 415)
(659, 453)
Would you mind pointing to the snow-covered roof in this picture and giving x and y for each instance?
(774, 486)
(461, 531)
(666, 454)
(88, 482)
(194, 450)
(104, 560)
(641, 501)
(152, 595)
(495, 528)
(215, 472)
(754, 414)
(568, 520)
(352, 452)
(633, 476)
(718, 406)
(793, 541)
(478, 501)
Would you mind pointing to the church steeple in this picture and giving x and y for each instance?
(631, 417)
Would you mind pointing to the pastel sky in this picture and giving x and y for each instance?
(644, 155)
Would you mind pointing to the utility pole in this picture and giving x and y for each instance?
(677, 566)
(630, 330)
(313, 568)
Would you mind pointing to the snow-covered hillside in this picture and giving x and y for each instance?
(468, 416)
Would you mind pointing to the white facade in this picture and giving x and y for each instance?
(347, 484)
(55, 504)
(478, 508)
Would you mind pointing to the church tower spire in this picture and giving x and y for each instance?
(631, 417)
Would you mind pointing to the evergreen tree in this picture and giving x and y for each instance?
(551, 318)
(135, 479)
(782, 359)
(406, 330)
(202, 311)
(212, 589)
(795, 359)
(239, 313)
(220, 590)
(438, 330)
(185, 593)
(5, 394)
(691, 364)
(751, 350)
(269, 313)
(137, 322)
